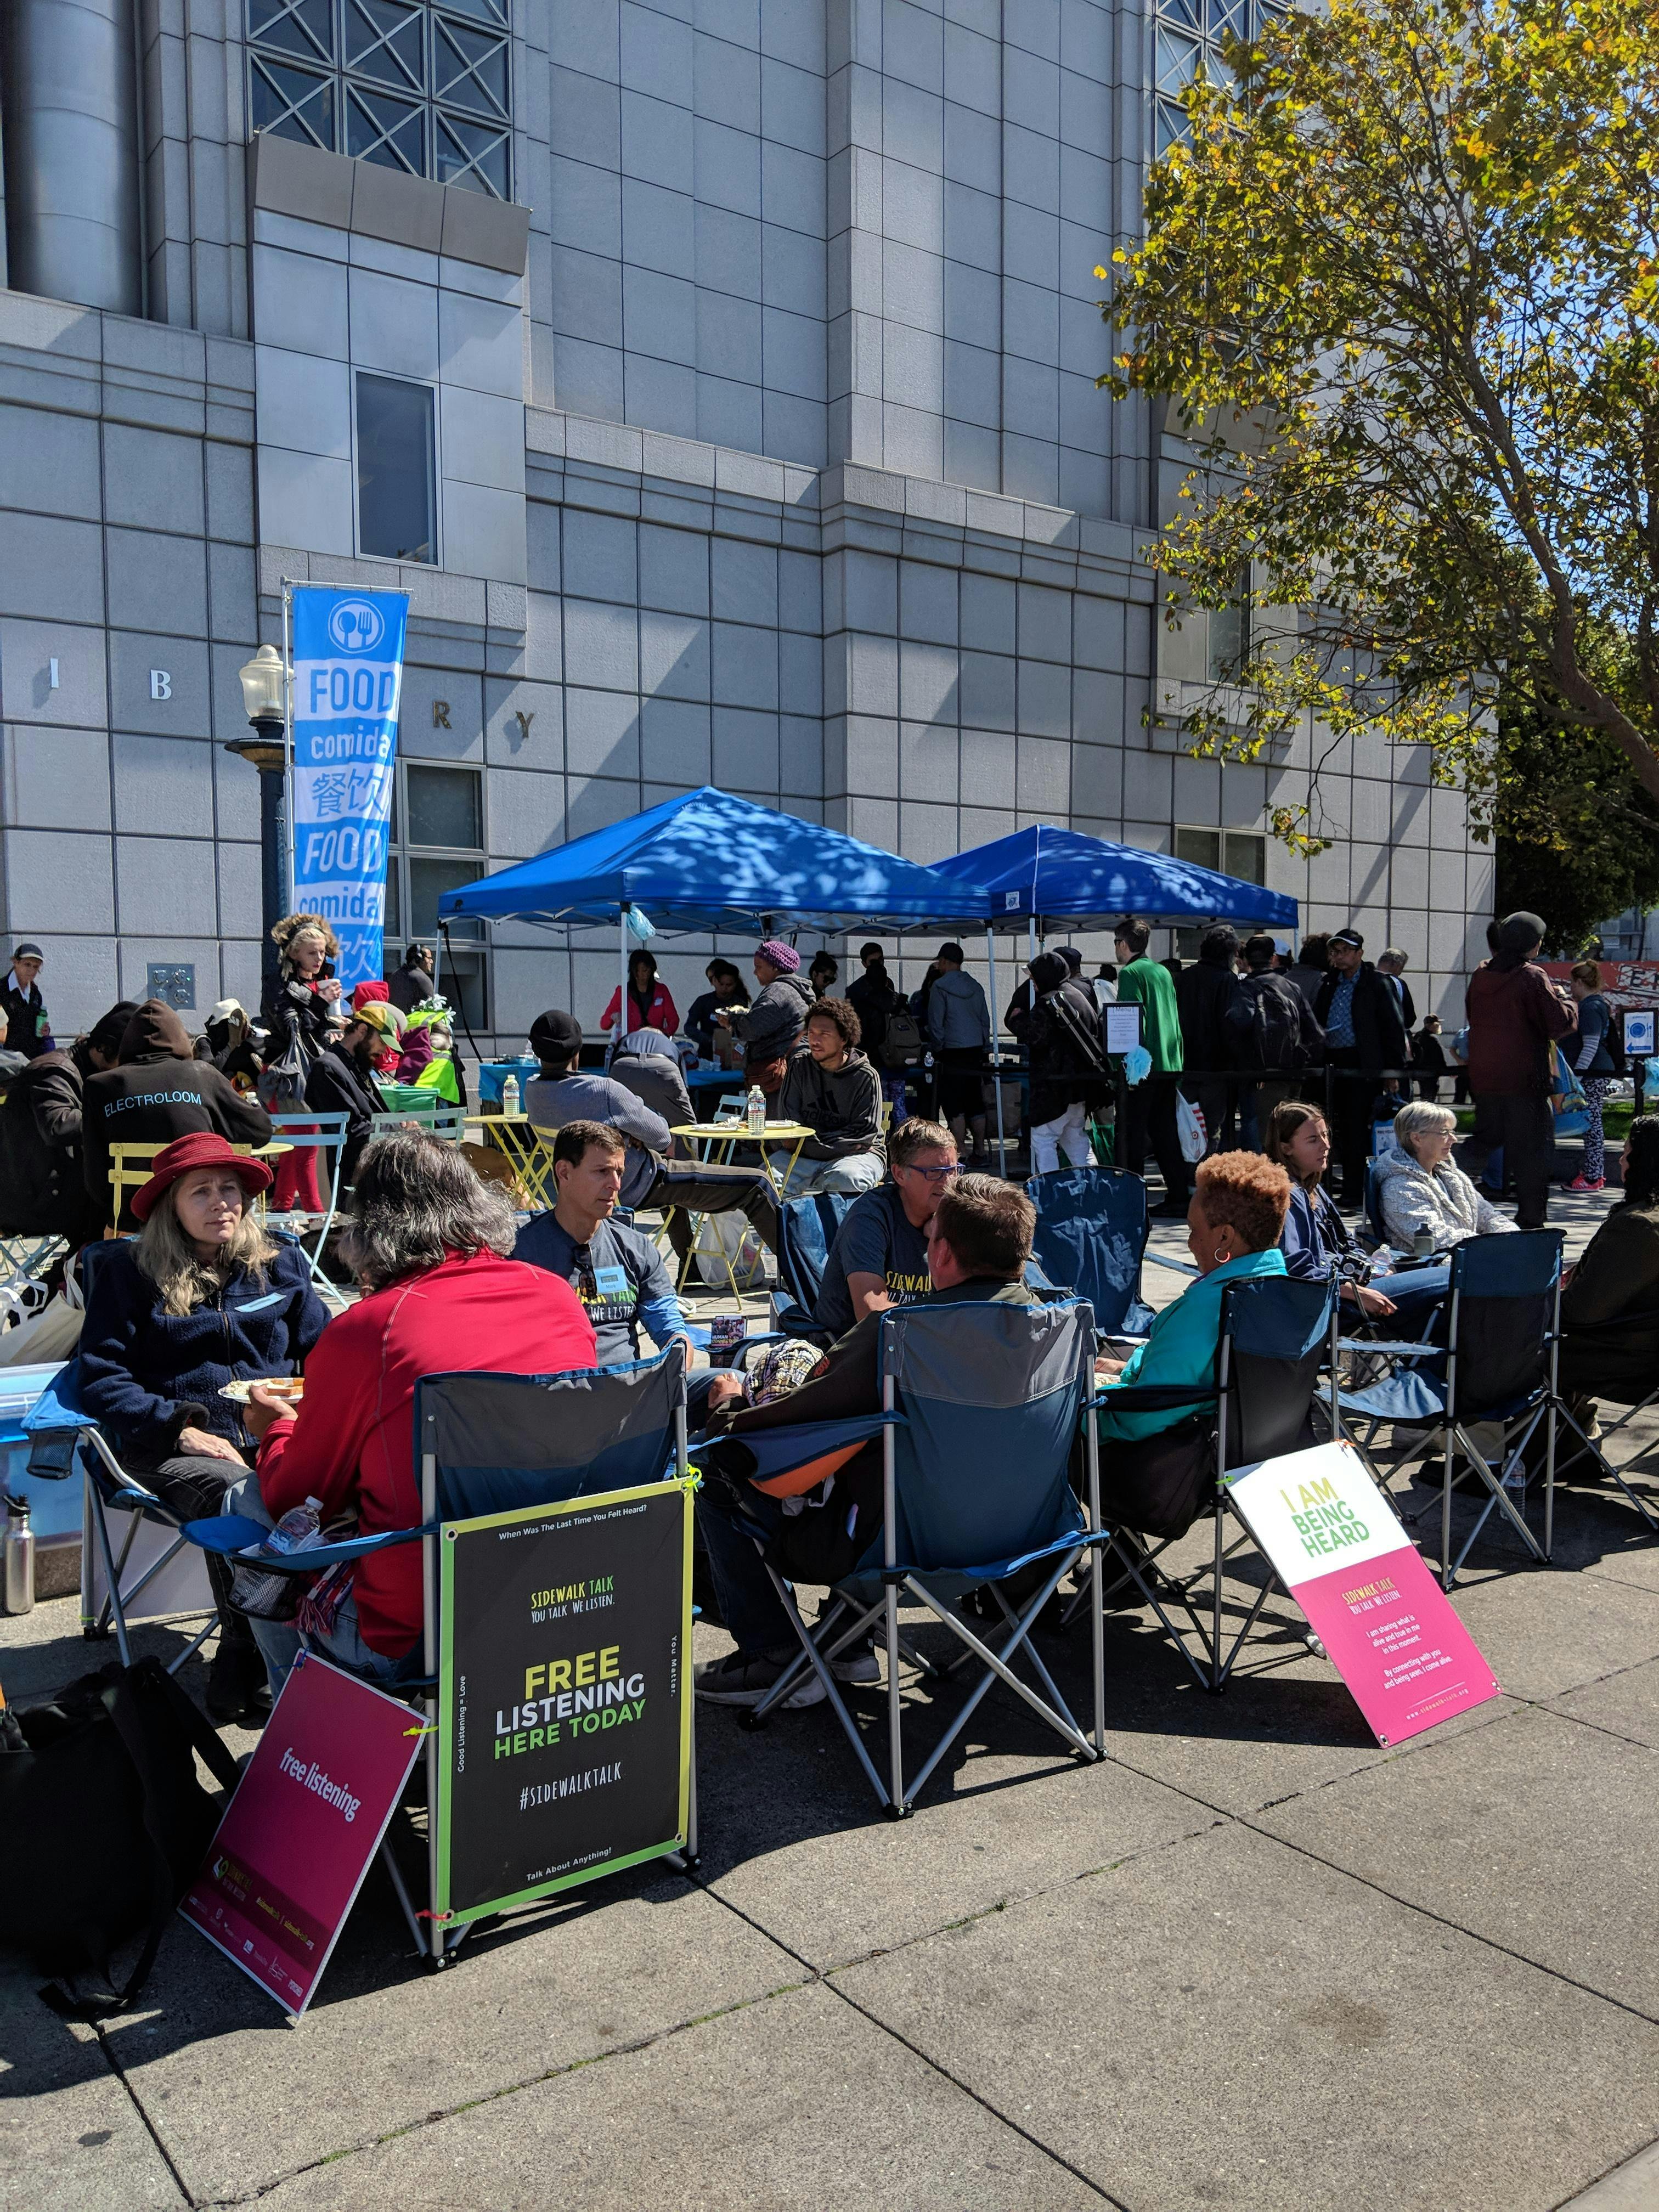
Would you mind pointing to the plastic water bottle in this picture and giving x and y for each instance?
(510, 1096)
(299, 1529)
(20, 1557)
(754, 1113)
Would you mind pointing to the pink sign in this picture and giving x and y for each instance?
(1386, 1625)
(297, 1837)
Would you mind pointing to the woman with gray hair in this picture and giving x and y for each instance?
(1418, 1188)
(429, 1242)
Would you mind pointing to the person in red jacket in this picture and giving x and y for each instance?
(429, 1244)
(1515, 1016)
(650, 1003)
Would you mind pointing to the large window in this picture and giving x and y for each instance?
(437, 844)
(1187, 36)
(397, 470)
(416, 85)
(1241, 852)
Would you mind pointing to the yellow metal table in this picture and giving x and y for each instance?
(719, 1141)
(514, 1136)
(132, 1165)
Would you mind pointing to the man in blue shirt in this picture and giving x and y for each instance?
(617, 1274)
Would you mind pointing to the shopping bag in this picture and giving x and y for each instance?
(727, 1240)
(1190, 1128)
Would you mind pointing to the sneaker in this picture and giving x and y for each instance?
(862, 1668)
(743, 1678)
(1578, 1182)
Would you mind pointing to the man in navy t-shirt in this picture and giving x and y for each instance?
(617, 1274)
(879, 1257)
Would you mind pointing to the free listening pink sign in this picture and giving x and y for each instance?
(1386, 1625)
(296, 1839)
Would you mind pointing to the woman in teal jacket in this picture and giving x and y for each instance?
(1233, 1227)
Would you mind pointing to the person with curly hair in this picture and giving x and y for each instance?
(302, 1010)
(1234, 1222)
(832, 1090)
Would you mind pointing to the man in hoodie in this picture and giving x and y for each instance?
(158, 1091)
(960, 1023)
(832, 1090)
(563, 1092)
(770, 1028)
(1516, 1016)
(42, 1191)
(1206, 998)
(1058, 1022)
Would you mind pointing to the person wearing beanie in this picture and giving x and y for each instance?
(203, 1297)
(27, 1028)
(652, 1174)
(1516, 1016)
(1059, 1025)
(958, 1022)
(771, 1028)
(158, 1091)
(42, 1191)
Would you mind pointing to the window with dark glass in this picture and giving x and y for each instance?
(421, 86)
(437, 844)
(1186, 37)
(1239, 853)
(397, 470)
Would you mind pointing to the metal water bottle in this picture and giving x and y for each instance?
(20, 1557)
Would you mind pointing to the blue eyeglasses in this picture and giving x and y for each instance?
(936, 1175)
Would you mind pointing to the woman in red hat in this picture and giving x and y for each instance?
(202, 1297)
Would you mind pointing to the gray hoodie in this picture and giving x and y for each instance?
(958, 1018)
(775, 1018)
(550, 1101)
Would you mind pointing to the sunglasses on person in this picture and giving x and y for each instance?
(933, 1175)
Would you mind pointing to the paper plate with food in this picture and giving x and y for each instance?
(291, 1387)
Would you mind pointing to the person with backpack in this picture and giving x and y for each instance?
(1206, 995)
(1065, 1055)
(1274, 1036)
(1597, 1061)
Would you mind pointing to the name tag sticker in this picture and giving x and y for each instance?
(258, 1306)
(611, 1282)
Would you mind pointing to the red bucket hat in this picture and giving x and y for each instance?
(201, 1149)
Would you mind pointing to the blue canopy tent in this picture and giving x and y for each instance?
(709, 861)
(1047, 874)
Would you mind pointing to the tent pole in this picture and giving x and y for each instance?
(996, 1049)
(620, 1029)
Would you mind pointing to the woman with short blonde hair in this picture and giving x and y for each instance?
(1418, 1188)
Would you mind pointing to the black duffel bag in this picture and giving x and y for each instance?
(103, 1824)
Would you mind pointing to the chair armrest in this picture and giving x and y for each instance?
(1175, 1266)
(1151, 1397)
(1385, 1344)
(233, 1536)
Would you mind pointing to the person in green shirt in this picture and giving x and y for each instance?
(1151, 1103)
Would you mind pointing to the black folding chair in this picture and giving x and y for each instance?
(1499, 1363)
(1276, 1335)
(1091, 1237)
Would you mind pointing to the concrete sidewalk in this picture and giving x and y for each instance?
(1254, 1962)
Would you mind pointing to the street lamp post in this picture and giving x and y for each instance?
(265, 695)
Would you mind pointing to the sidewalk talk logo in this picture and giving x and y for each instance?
(356, 625)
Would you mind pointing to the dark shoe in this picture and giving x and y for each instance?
(238, 1690)
(743, 1678)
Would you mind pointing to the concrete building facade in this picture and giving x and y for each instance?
(717, 378)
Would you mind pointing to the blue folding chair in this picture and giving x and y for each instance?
(1091, 1237)
(807, 1229)
(1276, 1335)
(1498, 1364)
(981, 1405)
(496, 1443)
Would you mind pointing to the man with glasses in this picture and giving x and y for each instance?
(879, 1257)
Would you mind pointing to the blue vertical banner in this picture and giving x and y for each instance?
(348, 673)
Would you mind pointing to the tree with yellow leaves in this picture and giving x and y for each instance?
(1399, 290)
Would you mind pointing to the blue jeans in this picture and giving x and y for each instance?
(855, 1171)
(750, 1607)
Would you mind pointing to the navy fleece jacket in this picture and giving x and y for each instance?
(145, 1374)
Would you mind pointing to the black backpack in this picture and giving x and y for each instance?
(1274, 1043)
(902, 1045)
(103, 1823)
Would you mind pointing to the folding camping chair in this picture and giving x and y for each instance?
(1276, 1333)
(497, 1443)
(317, 1133)
(1500, 1364)
(997, 1389)
(1090, 1238)
(807, 1228)
(1644, 1327)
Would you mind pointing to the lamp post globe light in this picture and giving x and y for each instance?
(264, 681)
